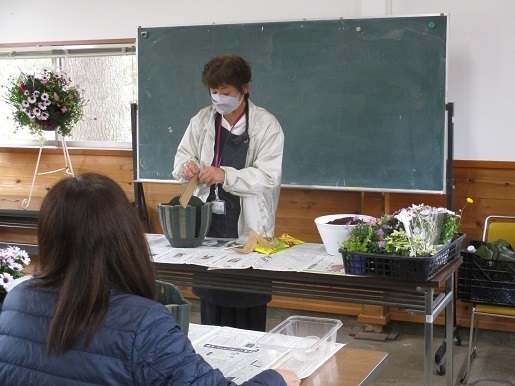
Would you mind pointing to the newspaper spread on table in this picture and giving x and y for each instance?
(236, 352)
(220, 254)
(237, 355)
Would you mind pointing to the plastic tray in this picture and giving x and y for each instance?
(172, 298)
(400, 267)
(307, 339)
(486, 281)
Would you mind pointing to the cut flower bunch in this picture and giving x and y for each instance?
(12, 261)
(414, 231)
(46, 101)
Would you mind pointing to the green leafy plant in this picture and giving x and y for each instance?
(397, 244)
(411, 231)
(360, 238)
(47, 101)
(452, 223)
(370, 236)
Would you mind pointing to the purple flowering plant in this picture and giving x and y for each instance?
(12, 262)
(46, 101)
(412, 231)
(371, 235)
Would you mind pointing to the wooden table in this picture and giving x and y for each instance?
(345, 367)
(348, 367)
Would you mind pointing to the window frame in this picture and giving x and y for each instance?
(60, 49)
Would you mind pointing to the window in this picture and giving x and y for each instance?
(107, 73)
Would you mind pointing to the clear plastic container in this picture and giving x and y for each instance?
(299, 338)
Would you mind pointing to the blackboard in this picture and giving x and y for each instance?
(361, 101)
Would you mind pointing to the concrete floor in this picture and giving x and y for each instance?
(494, 363)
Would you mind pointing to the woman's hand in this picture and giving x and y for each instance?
(289, 377)
(189, 169)
(211, 175)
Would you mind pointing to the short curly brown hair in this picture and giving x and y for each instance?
(231, 70)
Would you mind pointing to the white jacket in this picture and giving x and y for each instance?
(258, 184)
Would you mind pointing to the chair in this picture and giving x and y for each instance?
(499, 227)
(496, 227)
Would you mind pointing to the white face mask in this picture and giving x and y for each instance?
(225, 104)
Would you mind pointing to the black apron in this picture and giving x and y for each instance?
(234, 149)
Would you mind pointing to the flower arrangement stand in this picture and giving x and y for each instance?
(68, 168)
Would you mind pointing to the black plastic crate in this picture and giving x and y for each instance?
(400, 267)
(486, 281)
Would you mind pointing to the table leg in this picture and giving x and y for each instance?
(449, 330)
(428, 335)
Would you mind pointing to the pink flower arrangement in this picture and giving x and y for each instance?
(47, 101)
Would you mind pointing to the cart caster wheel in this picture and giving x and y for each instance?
(457, 340)
(440, 370)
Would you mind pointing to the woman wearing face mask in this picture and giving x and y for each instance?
(236, 148)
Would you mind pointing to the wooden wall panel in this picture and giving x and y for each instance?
(18, 165)
(490, 184)
(492, 187)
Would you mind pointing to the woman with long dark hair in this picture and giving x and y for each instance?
(88, 317)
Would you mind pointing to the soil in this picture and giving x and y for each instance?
(343, 221)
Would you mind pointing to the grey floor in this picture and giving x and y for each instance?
(494, 363)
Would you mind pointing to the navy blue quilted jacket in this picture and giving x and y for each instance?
(139, 344)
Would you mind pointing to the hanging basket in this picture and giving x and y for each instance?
(49, 126)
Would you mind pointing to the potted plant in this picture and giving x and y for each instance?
(452, 223)
(12, 261)
(44, 102)
(412, 231)
(404, 244)
(335, 229)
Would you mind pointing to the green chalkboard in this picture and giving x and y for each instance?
(361, 101)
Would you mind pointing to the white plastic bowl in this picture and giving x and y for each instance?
(333, 235)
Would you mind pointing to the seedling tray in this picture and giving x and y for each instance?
(400, 267)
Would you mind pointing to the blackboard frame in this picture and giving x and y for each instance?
(435, 86)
